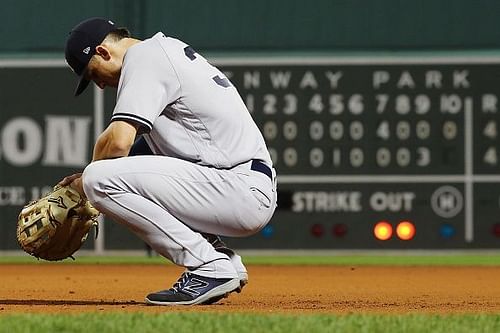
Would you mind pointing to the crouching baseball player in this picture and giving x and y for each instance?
(211, 173)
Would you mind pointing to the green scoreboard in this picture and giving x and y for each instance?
(409, 143)
(377, 152)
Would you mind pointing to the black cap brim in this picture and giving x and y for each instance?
(82, 85)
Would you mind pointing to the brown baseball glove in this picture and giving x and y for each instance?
(55, 226)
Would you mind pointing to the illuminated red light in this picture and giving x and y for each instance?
(382, 231)
(405, 230)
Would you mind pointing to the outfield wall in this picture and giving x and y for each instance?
(373, 112)
(356, 140)
(36, 26)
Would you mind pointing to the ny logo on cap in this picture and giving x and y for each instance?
(86, 50)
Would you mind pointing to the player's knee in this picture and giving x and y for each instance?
(94, 178)
(249, 229)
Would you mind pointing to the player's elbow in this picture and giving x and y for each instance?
(119, 148)
(121, 139)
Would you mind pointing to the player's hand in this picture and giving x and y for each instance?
(75, 181)
(77, 184)
(69, 179)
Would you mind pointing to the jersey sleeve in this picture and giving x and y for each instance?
(148, 83)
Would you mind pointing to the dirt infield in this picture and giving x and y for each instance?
(272, 289)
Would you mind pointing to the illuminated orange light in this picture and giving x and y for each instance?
(382, 230)
(405, 230)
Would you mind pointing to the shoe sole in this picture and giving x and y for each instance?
(243, 282)
(219, 292)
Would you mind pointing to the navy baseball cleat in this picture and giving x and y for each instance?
(193, 289)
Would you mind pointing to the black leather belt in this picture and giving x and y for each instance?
(260, 166)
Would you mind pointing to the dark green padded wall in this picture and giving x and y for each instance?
(261, 25)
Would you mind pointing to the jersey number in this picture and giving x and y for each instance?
(221, 81)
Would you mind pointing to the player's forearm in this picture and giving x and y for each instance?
(106, 148)
(111, 144)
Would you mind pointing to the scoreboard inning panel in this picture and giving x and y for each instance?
(359, 141)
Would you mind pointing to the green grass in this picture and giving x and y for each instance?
(195, 321)
(389, 260)
(242, 323)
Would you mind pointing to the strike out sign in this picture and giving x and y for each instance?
(359, 140)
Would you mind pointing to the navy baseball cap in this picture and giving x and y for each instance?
(81, 44)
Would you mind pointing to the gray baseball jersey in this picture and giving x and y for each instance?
(204, 176)
(187, 107)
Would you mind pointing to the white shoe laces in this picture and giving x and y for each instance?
(182, 281)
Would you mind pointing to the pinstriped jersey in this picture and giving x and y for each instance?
(185, 107)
